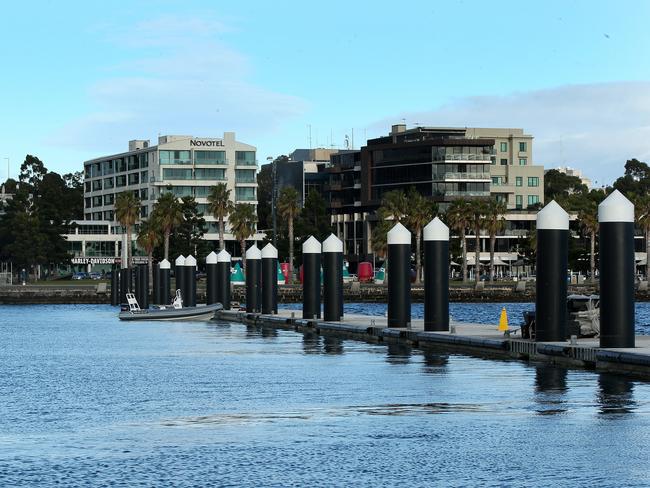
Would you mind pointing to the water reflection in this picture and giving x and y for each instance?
(615, 395)
(332, 345)
(434, 363)
(550, 389)
(310, 342)
(269, 332)
(399, 353)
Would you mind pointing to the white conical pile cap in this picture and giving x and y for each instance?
(253, 252)
(269, 251)
(552, 217)
(211, 258)
(616, 208)
(223, 256)
(164, 264)
(180, 260)
(436, 230)
(190, 261)
(311, 246)
(399, 235)
(332, 244)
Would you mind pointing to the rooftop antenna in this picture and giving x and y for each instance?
(309, 125)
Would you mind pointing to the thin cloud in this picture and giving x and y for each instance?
(593, 127)
(186, 81)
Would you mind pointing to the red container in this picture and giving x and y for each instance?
(365, 272)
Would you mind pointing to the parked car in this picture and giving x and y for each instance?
(80, 276)
(95, 275)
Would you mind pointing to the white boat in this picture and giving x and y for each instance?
(175, 311)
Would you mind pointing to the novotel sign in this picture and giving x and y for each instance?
(200, 143)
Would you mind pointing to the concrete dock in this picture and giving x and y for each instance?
(474, 339)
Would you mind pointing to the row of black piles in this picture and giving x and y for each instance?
(136, 281)
(616, 221)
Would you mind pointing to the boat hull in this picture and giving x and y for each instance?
(187, 313)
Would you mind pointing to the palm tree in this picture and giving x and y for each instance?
(494, 223)
(242, 222)
(420, 212)
(479, 208)
(642, 211)
(289, 207)
(220, 205)
(459, 217)
(395, 205)
(589, 223)
(168, 214)
(127, 211)
(379, 238)
(148, 239)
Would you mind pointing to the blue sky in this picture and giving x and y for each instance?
(79, 79)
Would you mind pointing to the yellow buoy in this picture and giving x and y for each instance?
(503, 320)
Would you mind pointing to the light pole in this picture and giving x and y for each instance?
(273, 200)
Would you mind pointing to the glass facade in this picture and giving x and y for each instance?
(246, 194)
(174, 157)
(177, 174)
(245, 176)
(210, 157)
(210, 174)
(245, 158)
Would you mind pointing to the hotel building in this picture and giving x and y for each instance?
(184, 165)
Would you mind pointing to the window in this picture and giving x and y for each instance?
(97, 201)
(504, 162)
(133, 163)
(210, 174)
(144, 176)
(522, 162)
(493, 160)
(144, 194)
(109, 183)
(519, 181)
(144, 159)
(522, 147)
(533, 181)
(177, 174)
(182, 191)
(245, 176)
(109, 199)
(120, 181)
(144, 211)
(108, 215)
(532, 200)
(97, 185)
(175, 157)
(87, 185)
(88, 202)
(210, 157)
(245, 158)
(244, 194)
(201, 191)
(503, 146)
(498, 180)
(97, 216)
(519, 202)
(134, 178)
(120, 165)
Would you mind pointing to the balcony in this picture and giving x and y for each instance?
(335, 186)
(464, 177)
(454, 193)
(467, 157)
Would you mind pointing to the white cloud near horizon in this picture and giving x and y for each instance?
(593, 127)
(180, 78)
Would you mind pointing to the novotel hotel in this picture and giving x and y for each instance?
(184, 165)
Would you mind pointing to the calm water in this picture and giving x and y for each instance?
(88, 401)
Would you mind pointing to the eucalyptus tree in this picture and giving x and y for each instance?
(589, 224)
(220, 205)
(127, 212)
(242, 222)
(289, 208)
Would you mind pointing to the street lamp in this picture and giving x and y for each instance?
(273, 200)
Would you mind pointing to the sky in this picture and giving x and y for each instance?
(78, 80)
